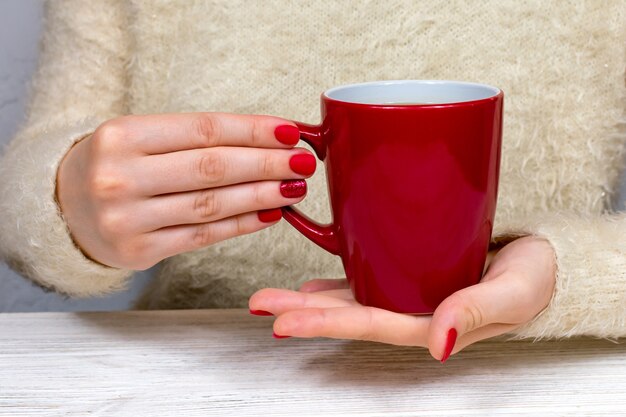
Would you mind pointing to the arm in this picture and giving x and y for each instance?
(590, 291)
(79, 84)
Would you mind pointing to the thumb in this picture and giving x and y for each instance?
(494, 300)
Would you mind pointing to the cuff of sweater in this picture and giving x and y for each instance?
(34, 238)
(590, 290)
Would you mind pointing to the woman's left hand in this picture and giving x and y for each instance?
(517, 285)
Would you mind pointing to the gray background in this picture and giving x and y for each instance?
(20, 27)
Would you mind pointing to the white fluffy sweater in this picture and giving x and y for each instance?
(561, 65)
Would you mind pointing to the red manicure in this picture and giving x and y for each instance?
(303, 164)
(287, 134)
(260, 313)
(277, 336)
(293, 188)
(450, 341)
(269, 216)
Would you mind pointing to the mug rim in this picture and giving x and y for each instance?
(497, 92)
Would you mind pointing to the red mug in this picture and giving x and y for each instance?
(412, 169)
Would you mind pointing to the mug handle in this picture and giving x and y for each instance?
(323, 235)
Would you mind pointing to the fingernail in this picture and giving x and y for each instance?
(450, 341)
(270, 216)
(260, 313)
(302, 163)
(293, 188)
(277, 336)
(287, 134)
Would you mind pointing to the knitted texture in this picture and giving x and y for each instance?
(590, 293)
(560, 64)
(37, 243)
(79, 84)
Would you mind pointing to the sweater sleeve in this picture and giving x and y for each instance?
(80, 82)
(590, 292)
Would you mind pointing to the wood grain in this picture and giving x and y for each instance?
(225, 362)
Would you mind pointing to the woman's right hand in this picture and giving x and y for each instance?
(144, 188)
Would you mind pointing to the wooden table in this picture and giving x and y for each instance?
(225, 362)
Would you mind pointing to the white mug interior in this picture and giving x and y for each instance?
(411, 92)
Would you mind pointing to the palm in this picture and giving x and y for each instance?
(517, 285)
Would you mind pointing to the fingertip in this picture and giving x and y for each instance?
(299, 323)
(442, 341)
(282, 325)
(287, 134)
(443, 322)
(449, 345)
(303, 163)
(253, 301)
(258, 300)
(293, 189)
(270, 215)
(260, 313)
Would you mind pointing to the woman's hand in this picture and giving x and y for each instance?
(518, 285)
(143, 188)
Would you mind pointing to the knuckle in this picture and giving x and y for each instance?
(206, 205)
(203, 235)
(368, 332)
(111, 223)
(267, 165)
(240, 227)
(318, 323)
(466, 311)
(208, 129)
(256, 137)
(474, 317)
(132, 253)
(108, 136)
(259, 196)
(211, 168)
(105, 184)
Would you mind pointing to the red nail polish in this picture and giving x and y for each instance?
(287, 134)
(277, 336)
(293, 188)
(302, 163)
(260, 313)
(450, 341)
(269, 216)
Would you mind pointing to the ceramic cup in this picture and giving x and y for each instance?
(412, 169)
